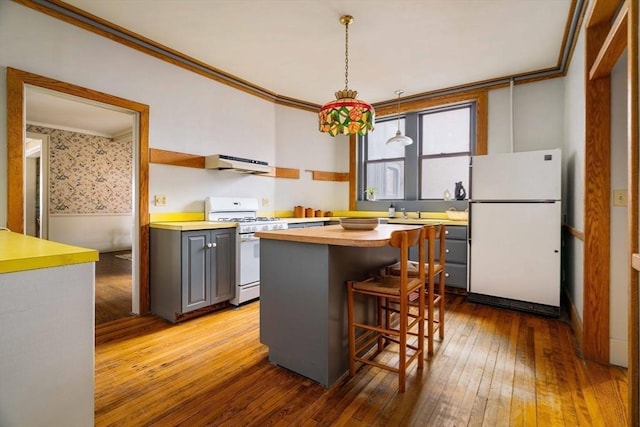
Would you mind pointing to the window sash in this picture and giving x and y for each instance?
(414, 159)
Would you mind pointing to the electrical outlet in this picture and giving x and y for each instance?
(160, 200)
(265, 202)
(619, 197)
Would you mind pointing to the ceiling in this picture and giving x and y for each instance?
(45, 108)
(296, 48)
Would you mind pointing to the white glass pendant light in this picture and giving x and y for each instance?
(399, 138)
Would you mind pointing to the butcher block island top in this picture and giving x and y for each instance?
(336, 235)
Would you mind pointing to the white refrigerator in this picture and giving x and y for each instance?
(515, 230)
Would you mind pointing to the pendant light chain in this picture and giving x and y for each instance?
(399, 92)
(399, 139)
(346, 56)
(346, 115)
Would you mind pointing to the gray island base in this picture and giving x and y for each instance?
(303, 309)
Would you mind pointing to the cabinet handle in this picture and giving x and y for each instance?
(446, 274)
(212, 245)
(446, 231)
(446, 250)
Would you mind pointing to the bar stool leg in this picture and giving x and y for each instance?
(352, 330)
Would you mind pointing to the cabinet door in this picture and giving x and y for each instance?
(223, 265)
(196, 270)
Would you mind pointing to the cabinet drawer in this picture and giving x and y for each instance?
(456, 251)
(455, 232)
(455, 276)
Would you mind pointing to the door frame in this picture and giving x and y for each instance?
(611, 27)
(44, 178)
(16, 129)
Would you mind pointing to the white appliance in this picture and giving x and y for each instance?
(515, 230)
(244, 212)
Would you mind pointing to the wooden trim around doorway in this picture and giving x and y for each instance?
(597, 214)
(16, 82)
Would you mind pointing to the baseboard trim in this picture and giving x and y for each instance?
(574, 319)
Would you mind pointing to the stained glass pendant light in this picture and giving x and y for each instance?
(399, 139)
(346, 115)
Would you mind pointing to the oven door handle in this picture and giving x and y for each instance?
(248, 238)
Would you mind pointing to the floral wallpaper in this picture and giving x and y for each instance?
(88, 174)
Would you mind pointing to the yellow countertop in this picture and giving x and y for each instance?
(426, 221)
(294, 220)
(19, 252)
(395, 220)
(336, 235)
(192, 225)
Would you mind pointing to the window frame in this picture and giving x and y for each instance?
(472, 105)
(413, 157)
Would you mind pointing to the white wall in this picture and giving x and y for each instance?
(103, 233)
(47, 343)
(573, 172)
(310, 152)
(188, 113)
(619, 271)
(538, 117)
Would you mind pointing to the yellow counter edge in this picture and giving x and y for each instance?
(19, 252)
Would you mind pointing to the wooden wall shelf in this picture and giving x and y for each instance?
(329, 176)
(277, 172)
(174, 158)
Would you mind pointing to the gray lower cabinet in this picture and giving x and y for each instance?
(190, 270)
(455, 256)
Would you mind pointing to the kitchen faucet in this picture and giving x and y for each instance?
(404, 213)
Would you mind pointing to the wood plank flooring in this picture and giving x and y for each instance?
(113, 287)
(493, 368)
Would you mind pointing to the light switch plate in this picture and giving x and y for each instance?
(619, 197)
(160, 200)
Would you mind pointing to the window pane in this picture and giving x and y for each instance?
(377, 148)
(387, 178)
(440, 174)
(446, 132)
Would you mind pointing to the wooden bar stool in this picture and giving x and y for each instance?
(435, 272)
(363, 338)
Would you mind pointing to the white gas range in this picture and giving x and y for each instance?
(244, 212)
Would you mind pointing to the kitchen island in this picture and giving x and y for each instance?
(303, 310)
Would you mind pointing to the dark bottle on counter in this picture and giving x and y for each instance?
(460, 192)
(392, 211)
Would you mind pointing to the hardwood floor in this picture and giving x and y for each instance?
(113, 287)
(494, 367)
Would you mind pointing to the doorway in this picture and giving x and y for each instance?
(90, 187)
(36, 193)
(17, 83)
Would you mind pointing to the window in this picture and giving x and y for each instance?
(444, 140)
(385, 164)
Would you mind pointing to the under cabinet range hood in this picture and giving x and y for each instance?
(236, 164)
